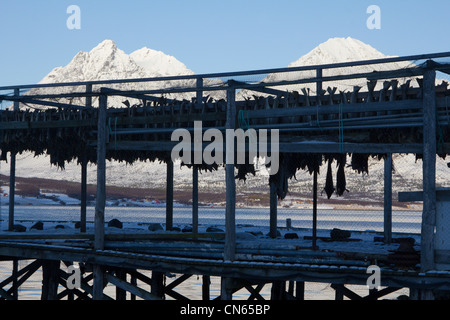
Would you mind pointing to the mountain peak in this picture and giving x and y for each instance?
(105, 45)
(159, 63)
(336, 50)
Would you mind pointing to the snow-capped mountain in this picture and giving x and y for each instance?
(106, 61)
(335, 50)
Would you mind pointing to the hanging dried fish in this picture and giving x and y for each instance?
(340, 178)
(329, 187)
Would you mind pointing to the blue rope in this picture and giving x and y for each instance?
(244, 122)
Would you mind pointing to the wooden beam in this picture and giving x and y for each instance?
(429, 171)
(388, 198)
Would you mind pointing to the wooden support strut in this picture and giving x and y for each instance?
(83, 202)
(230, 211)
(99, 238)
(429, 171)
(230, 219)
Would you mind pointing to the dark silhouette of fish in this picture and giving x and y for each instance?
(329, 187)
(340, 178)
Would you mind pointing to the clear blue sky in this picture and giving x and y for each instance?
(210, 35)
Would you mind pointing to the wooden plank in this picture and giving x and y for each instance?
(429, 171)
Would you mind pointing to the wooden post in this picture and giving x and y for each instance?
(300, 290)
(199, 98)
(169, 195)
(278, 291)
(388, 199)
(273, 210)
(226, 286)
(121, 294)
(314, 226)
(99, 237)
(230, 218)
(195, 199)
(101, 176)
(88, 98)
(15, 269)
(199, 95)
(12, 188)
(12, 174)
(205, 288)
(429, 171)
(318, 85)
(157, 286)
(83, 202)
(50, 275)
